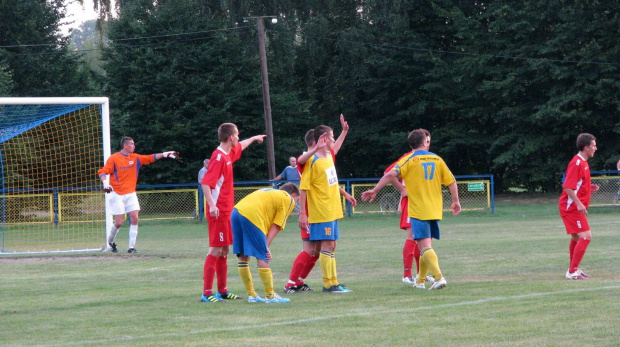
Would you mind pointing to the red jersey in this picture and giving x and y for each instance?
(124, 169)
(394, 164)
(219, 177)
(578, 179)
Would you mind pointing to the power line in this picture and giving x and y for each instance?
(137, 38)
(440, 51)
(375, 45)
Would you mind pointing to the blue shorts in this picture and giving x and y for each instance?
(324, 231)
(248, 240)
(424, 229)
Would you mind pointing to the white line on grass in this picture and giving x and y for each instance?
(356, 314)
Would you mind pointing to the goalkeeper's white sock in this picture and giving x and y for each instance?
(133, 235)
(113, 232)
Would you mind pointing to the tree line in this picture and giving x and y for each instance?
(504, 87)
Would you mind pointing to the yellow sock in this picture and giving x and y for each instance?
(431, 263)
(325, 261)
(334, 273)
(246, 277)
(267, 278)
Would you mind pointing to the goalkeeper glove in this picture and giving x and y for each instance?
(171, 154)
(107, 188)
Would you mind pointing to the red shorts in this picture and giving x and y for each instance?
(404, 216)
(305, 234)
(220, 230)
(575, 222)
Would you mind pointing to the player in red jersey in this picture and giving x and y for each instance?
(574, 202)
(217, 185)
(123, 168)
(307, 258)
(410, 248)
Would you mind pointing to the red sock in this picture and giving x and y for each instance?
(221, 269)
(306, 271)
(571, 250)
(408, 257)
(299, 265)
(416, 255)
(580, 250)
(208, 275)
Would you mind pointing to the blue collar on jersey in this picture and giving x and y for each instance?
(421, 152)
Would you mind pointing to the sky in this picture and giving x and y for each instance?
(79, 13)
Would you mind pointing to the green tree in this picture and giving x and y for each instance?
(533, 75)
(35, 52)
(174, 76)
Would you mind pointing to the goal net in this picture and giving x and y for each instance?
(50, 197)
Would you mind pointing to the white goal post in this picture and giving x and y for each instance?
(50, 195)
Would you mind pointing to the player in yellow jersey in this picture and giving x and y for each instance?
(320, 191)
(423, 173)
(256, 220)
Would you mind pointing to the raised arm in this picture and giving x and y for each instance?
(257, 138)
(343, 134)
(303, 158)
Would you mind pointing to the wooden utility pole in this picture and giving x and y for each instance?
(262, 53)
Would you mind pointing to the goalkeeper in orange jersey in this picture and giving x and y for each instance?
(424, 173)
(256, 220)
(123, 168)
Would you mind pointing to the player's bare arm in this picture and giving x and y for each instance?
(213, 210)
(303, 216)
(456, 205)
(370, 195)
(580, 206)
(348, 197)
(343, 134)
(274, 229)
(257, 138)
(303, 158)
(396, 183)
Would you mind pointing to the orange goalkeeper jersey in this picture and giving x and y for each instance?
(124, 169)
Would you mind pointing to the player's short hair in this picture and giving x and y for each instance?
(225, 131)
(124, 141)
(584, 140)
(417, 137)
(290, 188)
(309, 138)
(320, 130)
(206, 161)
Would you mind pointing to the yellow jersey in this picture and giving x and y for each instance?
(265, 207)
(423, 173)
(320, 181)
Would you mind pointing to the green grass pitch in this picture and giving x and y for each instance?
(505, 275)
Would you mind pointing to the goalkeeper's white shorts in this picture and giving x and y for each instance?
(121, 204)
